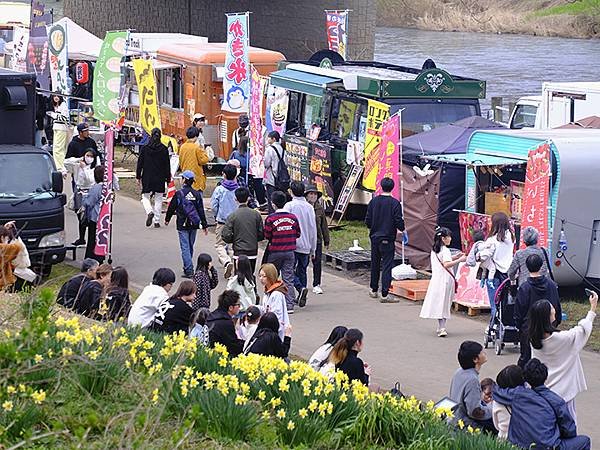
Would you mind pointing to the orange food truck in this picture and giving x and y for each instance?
(190, 80)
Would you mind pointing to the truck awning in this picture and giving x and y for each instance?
(477, 159)
(307, 83)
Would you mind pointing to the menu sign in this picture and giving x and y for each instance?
(346, 194)
(297, 158)
(320, 170)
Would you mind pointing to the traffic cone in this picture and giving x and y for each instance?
(170, 191)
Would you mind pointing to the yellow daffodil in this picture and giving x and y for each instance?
(38, 397)
(291, 425)
(155, 396)
(313, 405)
(261, 395)
(240, 400)
(38, 359)
(7, 406)
(11, 389)
(343, 397)
(265, 415)
(460, 424)
(280, 414)
(303, 413)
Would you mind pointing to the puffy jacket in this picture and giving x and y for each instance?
(222, 330)
(244, 229)
(176, 207)
(222, 201)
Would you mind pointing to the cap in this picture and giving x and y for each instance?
(312, 188)
(188, 175)
(234, 162)
(82, 127)
(199, 116)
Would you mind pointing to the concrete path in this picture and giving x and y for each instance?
(398, 345)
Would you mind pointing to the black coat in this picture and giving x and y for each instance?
(176, 208)
(172, 315)
(269, 343)
(534, 289)
(71, 289)
(222, 330)
(118, 303)
(88, 301)
(153, 168)
(354, 367)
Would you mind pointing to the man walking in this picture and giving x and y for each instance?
(384, 218)
(81, 143)
(223, 203)
(274, 153)
(192, 157)
(187, 204)
(306, 244)
(282, 230)
(244, 228)
(312, 196)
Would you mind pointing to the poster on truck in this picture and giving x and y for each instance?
(37, 48)
(107, 76)
(277, 109)
(378, 113)
(337, 31)
(59, 62)
(536, 192)
(297, 158)
(320, 171)
(144, 76)
(236, 81)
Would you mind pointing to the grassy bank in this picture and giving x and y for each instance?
(566, 18)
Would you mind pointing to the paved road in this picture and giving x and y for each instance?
(398, 345)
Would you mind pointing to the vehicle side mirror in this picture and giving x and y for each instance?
(57, 182)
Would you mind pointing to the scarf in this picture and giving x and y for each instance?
(230, 185)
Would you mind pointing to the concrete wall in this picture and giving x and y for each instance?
(296, 27)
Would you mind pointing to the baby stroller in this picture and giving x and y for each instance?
(502, 328)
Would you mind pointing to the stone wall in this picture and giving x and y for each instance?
(296, 27)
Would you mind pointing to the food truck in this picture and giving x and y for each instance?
(189, 80)
(496, 166)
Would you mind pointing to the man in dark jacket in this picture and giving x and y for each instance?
(537, 287)
(384, 219)
(244, 228)
(81, 143)
(187, 204)
(71, 289)
(220, 323)
(153, 173)
(539, 417)
(312, 196)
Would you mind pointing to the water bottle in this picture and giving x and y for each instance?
(562, 241)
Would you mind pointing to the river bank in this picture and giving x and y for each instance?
(563, 18)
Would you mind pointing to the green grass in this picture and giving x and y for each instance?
(342, 237)
(576, 311)
(572, 8)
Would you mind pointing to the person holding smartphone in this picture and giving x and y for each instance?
(559, 350)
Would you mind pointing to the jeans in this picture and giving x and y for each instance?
(492, 287)
(187, 238)
(317, 265)
(157, 209)
(382, 259)
(270, 190)
(575, 443)
(284, 261)
(300, 266)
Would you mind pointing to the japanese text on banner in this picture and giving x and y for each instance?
(236, 81)
(389, 154)
(144, 75)
(107, 76)
(37, 47)
(59, 64)
(536, 192)
(337, 33)
(20, 41)
(257, 150)
(378, 112)
(104, 224)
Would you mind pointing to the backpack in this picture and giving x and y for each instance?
(282, 177)
(190, 212)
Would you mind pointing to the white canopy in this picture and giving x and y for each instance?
(81, 44)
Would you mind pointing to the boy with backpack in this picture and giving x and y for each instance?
(277, 177)
(188, 206)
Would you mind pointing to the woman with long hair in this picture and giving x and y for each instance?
(243, 282)
(320, 356)
(206, 279)
(274, 298)
(559, 350)
(153, 173)
(117, 303)
(266, 341)
(174, 314)
(344, 356)
(442, 286)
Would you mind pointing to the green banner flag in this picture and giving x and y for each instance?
(107, 76)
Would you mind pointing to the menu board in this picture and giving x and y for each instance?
(344, 199)
(297, 158)
(320, 170)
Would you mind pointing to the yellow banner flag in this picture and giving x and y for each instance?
(377, 114)
(144, 75)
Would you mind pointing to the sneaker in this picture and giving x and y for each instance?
(78, 242)
(302, 298)
(373, 294)
(228, 270)
(149, 219)
(442, 333)
(157, 225)
(290, 311)
(317, 290)
(187, 275)
(389, 299)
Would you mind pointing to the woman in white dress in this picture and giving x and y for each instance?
(440, 292)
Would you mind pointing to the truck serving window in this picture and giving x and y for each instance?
(23, 174)
(419, 117)
(345, 118)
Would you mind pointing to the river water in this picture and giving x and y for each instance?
(512, 65)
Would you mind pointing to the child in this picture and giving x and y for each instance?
(222, 203)
(206, 279)
(482, 252)
(487, 386)
(249, 324)
(198, 327)
(243, 283)
(442, 285)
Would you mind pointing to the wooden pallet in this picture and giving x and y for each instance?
(414, 290)
(472, 310)
(352, 260)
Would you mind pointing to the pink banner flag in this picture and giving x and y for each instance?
(389, 154)
(104, 224)
(536, 192)
(257, 150)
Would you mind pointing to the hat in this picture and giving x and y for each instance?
(188, 175)
(312, 188)
(199, 116)
(234, 162)
(82, 127)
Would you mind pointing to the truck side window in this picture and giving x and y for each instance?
(293, 115)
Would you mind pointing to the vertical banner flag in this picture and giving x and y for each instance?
(104, 224)
(37, 48)
(107, 76)
(144, 75)
(277, 108)
(20, 41)
(389, 154)
(337, 31)
(377, 113)
(236, 82)
(59, 64)
(537, 184)
(257, 150)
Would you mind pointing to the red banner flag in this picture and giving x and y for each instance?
(536, 192)
(337, 31)
(104, 224)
